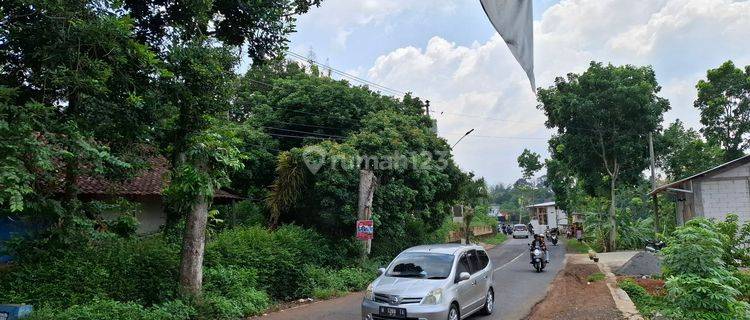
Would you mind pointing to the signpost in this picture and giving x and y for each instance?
(364, 230)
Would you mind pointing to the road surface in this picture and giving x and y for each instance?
(517, 288)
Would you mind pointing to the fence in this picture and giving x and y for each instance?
(455, 236)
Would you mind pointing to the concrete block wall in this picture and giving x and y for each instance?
(721, 197)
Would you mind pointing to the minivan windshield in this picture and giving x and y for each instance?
(519, 228)
(421, 265)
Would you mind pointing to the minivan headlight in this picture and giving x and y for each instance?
(369, 295)
(434, 297)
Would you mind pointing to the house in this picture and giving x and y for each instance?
(713, 193)
(547, 214)
(145, 189)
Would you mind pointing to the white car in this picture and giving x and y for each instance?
(520, 231)
(433, 282)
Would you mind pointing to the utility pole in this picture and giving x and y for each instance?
(364, 212)
(427, 107)
(653, 182)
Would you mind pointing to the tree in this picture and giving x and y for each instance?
(529, 162)
(682, 152)
(603, 117)
(724, 103)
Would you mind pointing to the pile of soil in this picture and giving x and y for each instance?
(641, 264)
(571, 297)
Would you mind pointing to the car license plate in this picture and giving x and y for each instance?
(393, 312)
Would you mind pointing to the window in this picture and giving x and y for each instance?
(484, 260)
(423, 265)
(463, 266)
(471, 255)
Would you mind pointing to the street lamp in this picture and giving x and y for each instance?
(462, 137)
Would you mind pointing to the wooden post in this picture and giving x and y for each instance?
(653, 183)
(364, 212)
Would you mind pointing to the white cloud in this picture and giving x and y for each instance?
(345, 16)
(680, 38)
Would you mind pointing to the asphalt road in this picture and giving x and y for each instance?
(518, 287)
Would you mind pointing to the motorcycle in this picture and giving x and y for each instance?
(554, 239)
(538, 259)
(654, 245)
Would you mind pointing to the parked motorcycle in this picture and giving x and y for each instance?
(655, 245)
(537, 259)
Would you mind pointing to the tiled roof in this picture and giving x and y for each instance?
(150, 181)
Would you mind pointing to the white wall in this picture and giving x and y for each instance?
(726, 192)
(726, 196)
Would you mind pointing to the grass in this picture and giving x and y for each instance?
(578, 247)
(495, 240)
(594, 277)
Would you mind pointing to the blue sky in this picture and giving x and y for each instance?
(447, 51)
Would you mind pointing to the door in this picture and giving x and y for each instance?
(478, 279)
(464, 289)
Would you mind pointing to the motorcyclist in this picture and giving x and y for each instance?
(539, 241)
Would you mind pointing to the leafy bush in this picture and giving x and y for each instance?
(142, 271)
(636, 292)
(243, 303)
(113, 310)
(324, 283)
(124, 225)
(697, 278)
(279, 256)
(229, 280)
(735, 241)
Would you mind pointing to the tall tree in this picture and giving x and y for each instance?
(603, 117)
(682, 152)
(724, 103)
(529, 162)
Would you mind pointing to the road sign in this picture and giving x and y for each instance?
(364, 229)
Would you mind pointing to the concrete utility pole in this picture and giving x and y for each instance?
(653, 182)
(364, 212)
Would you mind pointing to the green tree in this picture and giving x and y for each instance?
(529, 162)
(603, 117)
(724, 103)
(681, 152)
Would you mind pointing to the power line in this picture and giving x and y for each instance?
(300, 137)
(307, 132)
(345, 74)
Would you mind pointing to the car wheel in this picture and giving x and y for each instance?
(489, 303)
(453, 313)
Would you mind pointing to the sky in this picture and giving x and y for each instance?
(446, 51)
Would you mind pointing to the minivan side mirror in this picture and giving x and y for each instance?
(381, 271)
(463, 276)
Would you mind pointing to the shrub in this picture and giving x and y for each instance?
(324, 283)
(113, 310)
(698, 281)
(142, 271)
(636, 292)
(124, 225)
(279, 256)
(244, 303)
(228, 280)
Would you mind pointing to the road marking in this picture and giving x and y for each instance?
(509, 262)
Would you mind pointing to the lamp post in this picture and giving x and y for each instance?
(462, 137)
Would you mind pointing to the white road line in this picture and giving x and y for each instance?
(509, 262)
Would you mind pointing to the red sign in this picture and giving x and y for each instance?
(364, 229)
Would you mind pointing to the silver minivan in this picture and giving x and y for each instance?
(434, 282)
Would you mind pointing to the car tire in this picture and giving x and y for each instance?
(489, 303)
(453, 313)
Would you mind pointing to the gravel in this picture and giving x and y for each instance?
(641, 264)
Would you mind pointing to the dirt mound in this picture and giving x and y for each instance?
(571, 297)
(641, 264)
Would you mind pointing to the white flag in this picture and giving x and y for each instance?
(513, 20)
